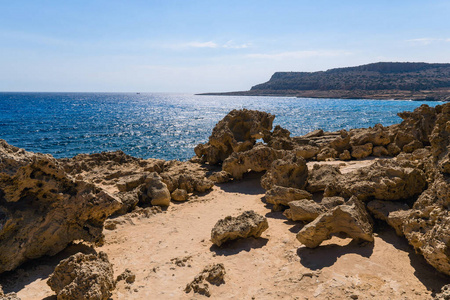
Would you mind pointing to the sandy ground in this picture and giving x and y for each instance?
(275, 266)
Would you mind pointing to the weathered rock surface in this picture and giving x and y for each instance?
(320, 176)
(444, 294)
(83, 276)
(9, 296)
(290, 171)
(214, 274)
(427, 227)
(128, 276)
(440, 138)
(309, 210)
(306, 151)
(362, 151)
(393, 213)
(220, 177)
(258, 159)
(248, 224)
(42, 210)
(236, 132)
(383, 180)
(12, 158)
(179, 195)
(350, 218)
(280, 195)
(377, 136)
(156, 191)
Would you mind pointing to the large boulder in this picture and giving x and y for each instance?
(42, 210)
(155, 191)
(258, 159)
(350, 218)
(393, 213)
(236, 132)
(83, 277)
(320, 176)
(280, 195)
(377, 136)
(290, 171)
(383, 180)
(440, 139)
(248, 224)
(308, 210)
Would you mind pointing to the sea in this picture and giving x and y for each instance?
(164, 125)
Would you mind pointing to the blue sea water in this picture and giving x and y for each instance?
(166, 126)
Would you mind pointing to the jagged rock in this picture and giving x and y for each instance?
(128, 276)
(383, 180)
(308, 210)
(9, 296)
(444, 294)
(380, 151)
(414, 145)
(185, 175)
(440, 138)
(315, 133)
(279, 195)
(291, 171)
(280, 139)
(258, 159)
(306, 151)
(12, 158)
(42, 210)
(156, 191)
(391, 212)
(362, 151)
(417, 124)
(214, 274)
(327, 153)
(350, 218)
(342, 142)
(179, 195)
(403, 138)
(220, 177)
(377, 136)
(345, 155)
(320, 176)
(427, 227)
(393, 149)
(246, 225)
(83, 276)
(236, 132)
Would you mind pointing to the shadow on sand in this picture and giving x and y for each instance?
(40, 268)
(249, 184)
(235, 246)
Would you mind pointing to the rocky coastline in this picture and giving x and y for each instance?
(48, 204)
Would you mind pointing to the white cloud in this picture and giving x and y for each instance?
(209, 44)
(299, 54)
(427, 41)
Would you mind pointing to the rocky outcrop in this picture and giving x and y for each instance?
(290, 171)
(350, 218)
(308, 210)
(383, 180)
(440, 139)
(320, 176)
(213, 274)
(394, 213)
(12, 158)
(258, 159)
(248, 224)
(155, 191)
(42, 210)
(280, 195)
(236, 132)
(83, 276)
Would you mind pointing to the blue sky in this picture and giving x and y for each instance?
(203, 46)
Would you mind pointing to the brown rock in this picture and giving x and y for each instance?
(393, 149)
(391, 212)
(377, 136)
(345, 155)
(320, 176)
(362, 151)
(156, 190)
(248, 224)
(83, 276)
(306, 151)
(179, 195)
(327, 153)
(236, 132)
(279, 195)
(128, 276)
(380, 151)
(308, 210)
(315, 133)
(414, 145)
(290, 171)
(214, 274)
(350, 218)
(220, 177)
(444, 294)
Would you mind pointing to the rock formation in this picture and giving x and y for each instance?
(393, 213)
(280, 195)
(309, 210)
(248, 224)
(350, 218)
(42, 210)
(83, 276)
(290, 171)
(320, 176)
(214, 274)
(236, 132)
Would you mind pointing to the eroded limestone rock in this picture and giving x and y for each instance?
(362, 151)
(156, 190)
(248, 224)
(236, 132)
(320, 176)
(83, 276)
(391, 212)
(179, 195)
(42, 210)
(279, 195)
(290, 171)
(213, 274)
(350, 218)
(308, 210)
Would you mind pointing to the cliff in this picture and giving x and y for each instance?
(383, 80)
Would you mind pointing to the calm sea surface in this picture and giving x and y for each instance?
(166, 126)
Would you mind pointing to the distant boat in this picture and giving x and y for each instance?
(138, 93)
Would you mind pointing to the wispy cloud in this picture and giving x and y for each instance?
(299, 54)
(427, 41)
(210, 44)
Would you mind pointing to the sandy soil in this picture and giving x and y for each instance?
(168, 249)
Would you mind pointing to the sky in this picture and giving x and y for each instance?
(194, 46)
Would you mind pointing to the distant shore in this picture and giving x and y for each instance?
(435, 95)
